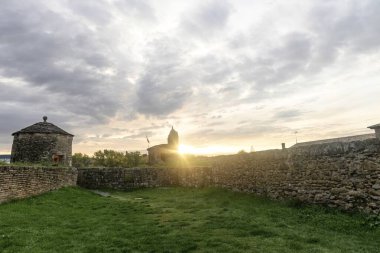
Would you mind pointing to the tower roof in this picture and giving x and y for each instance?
(173, 132)
(375, 126)
(43, 128)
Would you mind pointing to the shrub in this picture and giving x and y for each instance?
(81, 160)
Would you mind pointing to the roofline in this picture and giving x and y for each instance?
(157, 146)
(332, 140)
(374, 126)
(19, 132)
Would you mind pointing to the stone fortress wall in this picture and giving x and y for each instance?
(22, 182)
(344, 175)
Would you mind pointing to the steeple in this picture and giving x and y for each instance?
(173, 138)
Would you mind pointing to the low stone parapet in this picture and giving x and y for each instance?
(21, 182)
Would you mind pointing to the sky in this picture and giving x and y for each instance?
(228, 75)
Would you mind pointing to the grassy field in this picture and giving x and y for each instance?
(177, 220)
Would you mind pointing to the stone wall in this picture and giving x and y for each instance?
(342, 175)
(22, 182)
(126, 178)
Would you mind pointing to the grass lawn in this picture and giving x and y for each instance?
(177, 220)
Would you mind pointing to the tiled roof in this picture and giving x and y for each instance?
(43, 128)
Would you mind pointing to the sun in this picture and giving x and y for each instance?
(184, 149)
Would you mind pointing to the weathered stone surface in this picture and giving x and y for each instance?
(42, 142)
(22, 182)
(342, 175)
(126, 178)
(337, 176)
(36, 148)
(376, 193)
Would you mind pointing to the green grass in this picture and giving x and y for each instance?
(177, 220)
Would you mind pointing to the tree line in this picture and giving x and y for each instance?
(109, 158)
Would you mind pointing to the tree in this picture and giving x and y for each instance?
(110, 158)
(134, 158)
(81, 160)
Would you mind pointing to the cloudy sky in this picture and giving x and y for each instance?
(227, 74)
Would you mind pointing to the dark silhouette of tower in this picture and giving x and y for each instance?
(173, 139)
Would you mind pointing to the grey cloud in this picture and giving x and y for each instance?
(62, 56)
(139, 8)
(354, 30)
(95, 11)
(330, 29)
(101, 12)
(213, 69)
(207, 19)
(157, 96)
(19, 94)
(227, 89)
(10, 120)
(287, 114)
(278, 65)
(165, 84)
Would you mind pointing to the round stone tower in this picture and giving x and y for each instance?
(42, 142)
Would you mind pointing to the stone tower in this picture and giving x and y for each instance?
(173, 139)
(165, 152)
(42, 142)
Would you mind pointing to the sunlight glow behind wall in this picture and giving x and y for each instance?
(212, 150)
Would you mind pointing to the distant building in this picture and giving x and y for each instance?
(5, 158)
(165, 152)
(42, 142)
(377, 130)
(361, 137)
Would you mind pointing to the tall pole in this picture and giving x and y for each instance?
(296, 136)
(147, 140)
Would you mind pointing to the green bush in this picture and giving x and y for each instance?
(81, 160)
(110, 158)
(133, 158)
